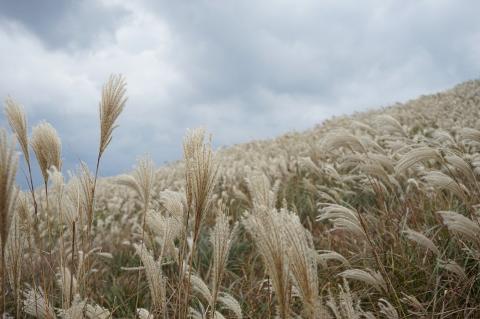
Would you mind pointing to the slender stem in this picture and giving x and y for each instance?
(32, 188)
(91, 208)
(141, 251)
(3, 273)
(188, 283)
(73, 263)
(181, 280)
(46, 193)
(89, 240)
(380, 265)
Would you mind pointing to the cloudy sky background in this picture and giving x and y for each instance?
(243, 69)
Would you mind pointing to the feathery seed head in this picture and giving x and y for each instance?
(142, 179)
(368, 276)
(342, 218)
(441, 181)
(155, 278)
(47, 147)
(112, 104)
(261, 191)
(36, 305)
(68, 283)
(460, 225)
(97, 312)
(144, 314)
(268, 229)
(339, 139)
(324, 256)
(415, 156)
(422, 240)
(18, 123)
(221, 238)
(453, 267)
(201, 288)
(201, 168)
(230, 303)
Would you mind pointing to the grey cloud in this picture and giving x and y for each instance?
(244, 70)
(68, 25)
(233, 49)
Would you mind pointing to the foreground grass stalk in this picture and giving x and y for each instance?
(8, 199)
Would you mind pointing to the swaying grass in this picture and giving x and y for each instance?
(376, 215)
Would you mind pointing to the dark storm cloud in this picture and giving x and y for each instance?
(69, 24)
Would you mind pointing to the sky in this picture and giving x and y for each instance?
(243, 70)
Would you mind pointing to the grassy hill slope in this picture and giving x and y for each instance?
(374, 215)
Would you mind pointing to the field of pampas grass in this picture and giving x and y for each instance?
(374, 215)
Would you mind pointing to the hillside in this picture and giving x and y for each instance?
(374, 215)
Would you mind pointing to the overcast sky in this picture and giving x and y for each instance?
(243, 69)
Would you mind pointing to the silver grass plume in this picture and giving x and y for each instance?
(453, 267)
(342, 218)
(68, 283)
(197, 314)
(76, 310)
(17, 120)
(36, 305)
(17, 242)
(368, 276)
(141, 180)
(144, 314)
(418, 308)
(221, 238)
(422, 240)
(461, 167)
(156, 280)
(262, 193)
(344, 307)
(231, 304)
(470, 134)
(340, 139)
(174, 203)
(111, 106)
(167, 229)
(8, 199)
(460, 225)
(324, 256)
(441, 181)
(66, 210)
(444, 137)
(97, 312)
(363, 126)
(421, 154)
(8, 191)
(383, 160)
(387, 309)
(268, 231)
(201, 168)
(389, 124)
(47, 148)
(200, 288)
(218, 315)
(303, 267)
(86, 196)
(18, 123)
